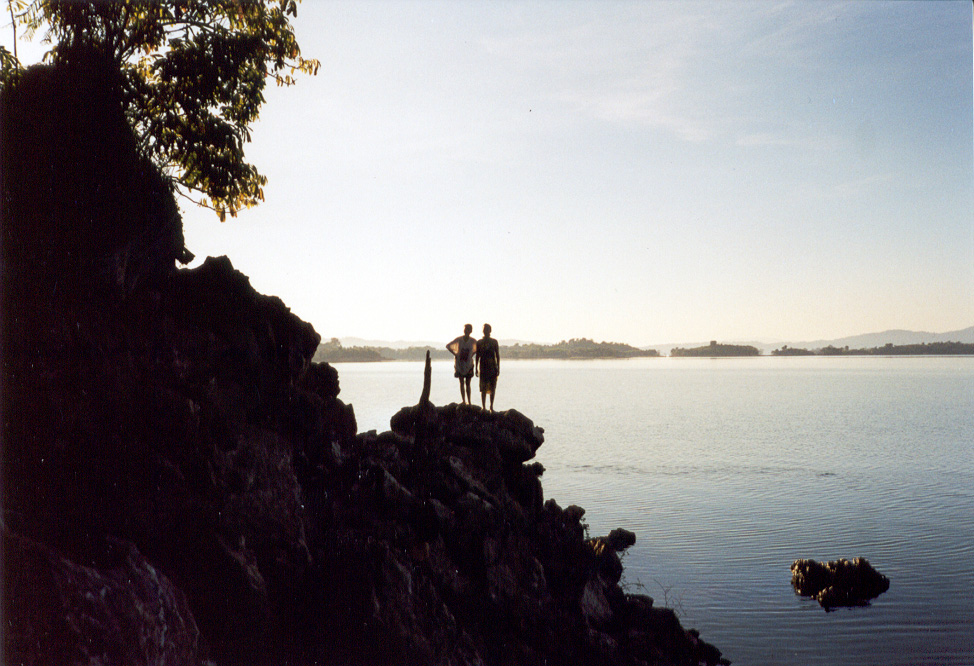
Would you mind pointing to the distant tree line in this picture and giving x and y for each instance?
(889, 349)
(922, 349)
(583, 348)
(576, 348)
(715, 350)
(792, 351)
(333, 352)
(415, 354)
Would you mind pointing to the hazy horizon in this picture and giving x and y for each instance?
(622, 171)
(893, 333)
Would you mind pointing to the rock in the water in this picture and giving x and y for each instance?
(838, 583)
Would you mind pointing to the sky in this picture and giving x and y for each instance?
(642, 172)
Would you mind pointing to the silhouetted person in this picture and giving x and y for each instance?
(488, 366)
(463, 349)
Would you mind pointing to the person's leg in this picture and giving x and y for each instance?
(461, 389)
(468, 398)
(493, 390)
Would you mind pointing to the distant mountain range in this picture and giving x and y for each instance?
(864, 341)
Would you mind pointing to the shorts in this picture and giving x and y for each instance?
(488, 383)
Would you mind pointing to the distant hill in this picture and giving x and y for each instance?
(894, 337)
(864, 341)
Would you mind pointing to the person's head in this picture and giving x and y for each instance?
(486, 329)
(467, 329)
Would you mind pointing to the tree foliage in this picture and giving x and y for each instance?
(889, 349)
(714, 350)
(576, 348)
(193, 76)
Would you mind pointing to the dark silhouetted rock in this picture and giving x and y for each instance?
(80, 205)
(123, 611)
(182, 485)
(838, 583)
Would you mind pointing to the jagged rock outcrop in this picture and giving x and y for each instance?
(838, 583)
(462, 561)
(182, 485)
(124, 611)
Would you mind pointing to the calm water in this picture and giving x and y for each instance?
(728, 470)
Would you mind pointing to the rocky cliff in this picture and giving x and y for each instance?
(182, 485)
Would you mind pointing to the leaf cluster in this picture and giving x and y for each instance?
(193, 74)
(9, 67)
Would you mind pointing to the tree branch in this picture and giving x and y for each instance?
(13, 24)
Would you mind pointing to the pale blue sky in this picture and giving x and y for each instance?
(643, 172)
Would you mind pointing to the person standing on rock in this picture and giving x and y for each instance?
(488, 366)
(463, 349)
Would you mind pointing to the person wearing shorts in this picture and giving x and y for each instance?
(488, 366)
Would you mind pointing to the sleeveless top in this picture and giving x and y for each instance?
(464, 347)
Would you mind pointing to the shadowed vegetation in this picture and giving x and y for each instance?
(192, 74)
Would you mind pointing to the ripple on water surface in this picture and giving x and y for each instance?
(729, 471)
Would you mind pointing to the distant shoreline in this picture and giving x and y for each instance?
(574, 349)
(583, 349)
(712, 358)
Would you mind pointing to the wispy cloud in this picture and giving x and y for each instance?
(696, 71)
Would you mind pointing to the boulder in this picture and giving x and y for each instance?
(838, 583)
